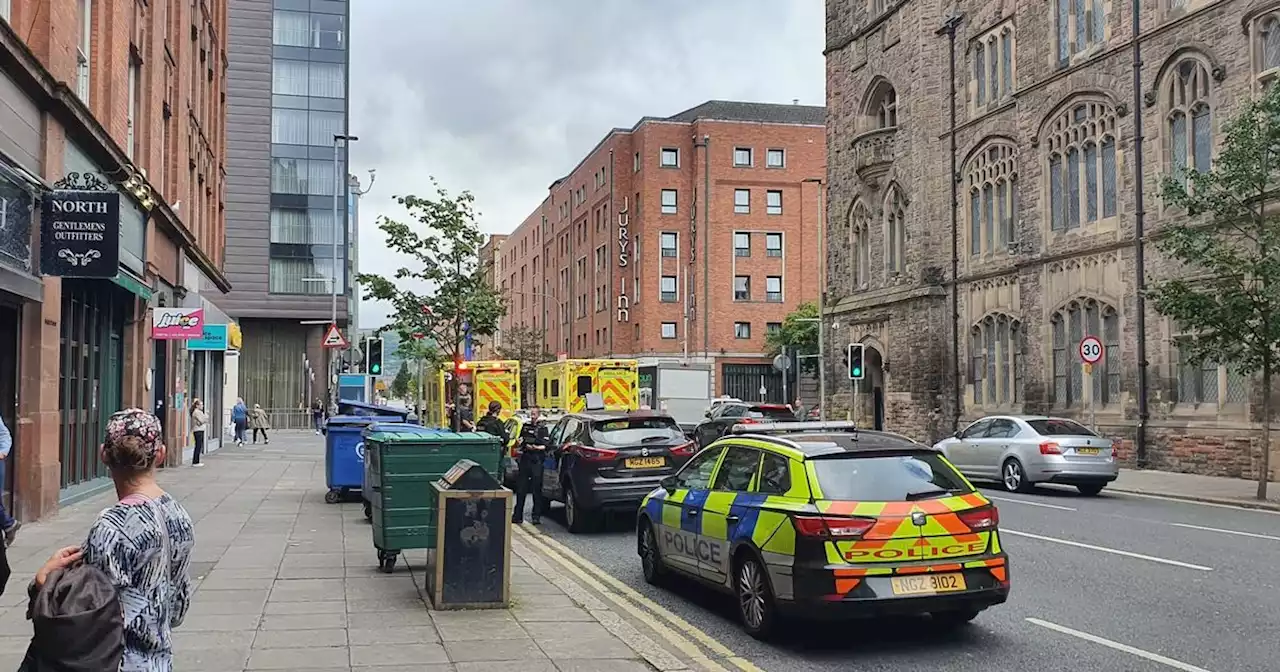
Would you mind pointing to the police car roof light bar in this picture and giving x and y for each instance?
(793, 427)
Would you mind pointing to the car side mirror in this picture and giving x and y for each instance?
(668, 483)
(959, 434)
(707, 415)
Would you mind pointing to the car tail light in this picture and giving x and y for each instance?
(832, 527)
(981, 519)
(594, 454)
(1050, 448)
(684, 449)
(747, 421)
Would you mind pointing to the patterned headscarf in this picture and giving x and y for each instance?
(137, 423)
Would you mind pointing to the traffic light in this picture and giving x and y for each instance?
(855, 361)
(373, 357)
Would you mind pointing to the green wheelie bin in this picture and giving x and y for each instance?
(401, 463)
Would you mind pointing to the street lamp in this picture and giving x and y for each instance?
(822, 294)
(339, 189)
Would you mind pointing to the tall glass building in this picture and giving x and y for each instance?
(287, 193)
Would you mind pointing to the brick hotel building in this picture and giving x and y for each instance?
(682, 238)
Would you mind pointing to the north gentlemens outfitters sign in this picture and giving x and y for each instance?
(80, 234)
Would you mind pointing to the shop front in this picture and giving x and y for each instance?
(207, 373)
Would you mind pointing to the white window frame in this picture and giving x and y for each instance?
(674, 152)
(674, 247)
(745, 249)
(741, 201)
(131, 116)
(675, 331)
(746, 290)
(84, 50)
(674, 207)
(6, 10)
(769, 207)
(773, 296)
(674, 291)
(751, 157)
(742, 330)
(772, 152)
(769, 249)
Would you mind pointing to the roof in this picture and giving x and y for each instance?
(765, 113)
(824, 444)
(618, 415)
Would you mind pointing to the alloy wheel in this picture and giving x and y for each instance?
(751, 594)
(1012, 476)
(649, 552)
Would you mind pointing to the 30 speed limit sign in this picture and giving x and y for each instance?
(1090, 350)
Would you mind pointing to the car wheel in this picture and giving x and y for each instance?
(953, 619)
(755, 598)
(1014, 477)
(576, 517)
(650, 557)
(1090, 489)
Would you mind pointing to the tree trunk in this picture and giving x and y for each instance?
(1264, 467)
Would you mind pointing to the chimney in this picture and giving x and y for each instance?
(795, 101)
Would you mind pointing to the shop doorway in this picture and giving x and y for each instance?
(9, 330)
(160, 383)
(90, 380)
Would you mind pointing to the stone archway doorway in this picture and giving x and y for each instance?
(871, 399)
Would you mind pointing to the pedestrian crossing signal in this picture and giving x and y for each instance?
(855, 361)
(373, 356)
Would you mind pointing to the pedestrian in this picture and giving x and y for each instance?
(240, 419)
(199, 429)
(492, 424)
(142, 544)
(259, 422)
(7, 523)
(534, 439)
(317, 416)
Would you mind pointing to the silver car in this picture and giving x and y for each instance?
(1020, 451)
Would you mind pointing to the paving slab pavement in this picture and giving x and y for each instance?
(1193, 487)
(284, 581)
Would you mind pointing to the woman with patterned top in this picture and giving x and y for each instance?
(143, 543)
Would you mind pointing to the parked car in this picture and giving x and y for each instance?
(1020, 451)
(726, 416)
(608, 460)
(719, 403)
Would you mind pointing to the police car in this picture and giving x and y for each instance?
(823, 519)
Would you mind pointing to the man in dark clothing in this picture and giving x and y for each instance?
(534, 439)
(492, 424)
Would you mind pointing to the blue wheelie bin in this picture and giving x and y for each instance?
(384, 413)
(344, 454)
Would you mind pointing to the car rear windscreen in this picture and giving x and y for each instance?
(629, 431)
(888, 478)
(775, 414)
(1060, 428)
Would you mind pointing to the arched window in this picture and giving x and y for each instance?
(895, 231)
(990, 177)
(1081, 26)
(1071, 323)
(1081, 149)
(882, 106)
(996, 347)
(1266, 46)
(860, 234)
(1188, 127)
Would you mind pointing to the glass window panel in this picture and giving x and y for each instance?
(1111, 354)
(988, 217)
(1059, 362)
(288, 176)
(668, 201)
(1064, 26)
(328, 31)
(773, 241)
(291, 29)
(1006, 56)
(1271, 45)
(976, 368)
(773, 202)
(1237, 387)
(742, 241)
(325, 125)
(1178, 143)
(775, 158)
(668, 283)
(1202, 136)
(773, 284)
(1073, 188)
(1108, 177)
(975, 222)
(1082, 25)
(1091, 182)
(980, 72)
(1056, 196)
(288, 127)
(993, 57)
(991, 363)
(1099, 16)
(1209, 382)
(1002, 214)
(320, 178)
(742, 201)
(289, 78)
(1075, 374)
(328, 80)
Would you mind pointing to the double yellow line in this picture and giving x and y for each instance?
(639, 606)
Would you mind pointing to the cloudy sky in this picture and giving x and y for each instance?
(503, 96)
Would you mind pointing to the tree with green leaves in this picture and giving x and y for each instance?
(799, 335)
(400, 384)
(445, 292)
(1228, 298)
(528, 346)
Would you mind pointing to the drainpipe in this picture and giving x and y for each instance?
(949, 29)
(1139, 223)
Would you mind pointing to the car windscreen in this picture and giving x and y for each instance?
(632, 431)
(775, 414)
(1060, 427)
(888, 477)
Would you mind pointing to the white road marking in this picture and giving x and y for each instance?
(1028, 503)
(1104, 549)
(1218, 529)
(1119, 494)
(1147, 655)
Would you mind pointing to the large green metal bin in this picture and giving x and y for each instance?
(401, 462)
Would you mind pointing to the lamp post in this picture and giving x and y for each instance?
(339, 189)
(822, 298)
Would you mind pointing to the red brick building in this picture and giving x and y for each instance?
(106, 96)
(686, 237)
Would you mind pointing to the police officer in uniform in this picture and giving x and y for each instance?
(534, 439)
(492, 424)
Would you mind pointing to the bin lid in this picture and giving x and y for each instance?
(388, 432)
(358, 420)
(378, 409)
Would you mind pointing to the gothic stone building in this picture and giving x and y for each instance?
(1043, 242)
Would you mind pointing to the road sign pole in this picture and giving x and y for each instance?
(1091, 351)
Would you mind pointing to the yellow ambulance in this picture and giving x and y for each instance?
(486, 381)
(565, 384)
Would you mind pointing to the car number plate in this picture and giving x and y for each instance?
(1087, 451)
(645, 462)
(927, 584)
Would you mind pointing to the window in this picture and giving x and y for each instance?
(895, 232)
(737, 470)
(84, 47)
(1188, 129)
(742, 330)
(668, 241)
(773, 202)
(990, 176)
(741, 244)
(300, 78)
(860, 229)
(328, 31)
(670, 157)
(668, 289)
(741, 288)
(742, 157)
(131, 120)
(773, 289)
(996, 346)
(888, 478)
(775, 158)
(668, 330)
(668, 201)
(993, 66)
(295, 226)
(1206, 382)
(288, 127)
(323, 126)
(6, 10)
(635, 163)
(1071, 324)
(742, 201)
(772, 328)
(302, 276)
(1081, 26)
(1081, 147)
(300, 176)
(1266, 47)
(882, 106)
(773, 244)
(289, 78)
(775, 475)
(696, 475)
(291, 29)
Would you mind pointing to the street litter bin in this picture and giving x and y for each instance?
(344, 455)
(388, 413)
(402, 460)
(472, 564)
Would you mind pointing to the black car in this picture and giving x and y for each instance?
(607, 460)
(728, 415)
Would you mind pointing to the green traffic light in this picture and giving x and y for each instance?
(375, 369)
(857, 371)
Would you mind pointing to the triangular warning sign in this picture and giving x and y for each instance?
(333, 338)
